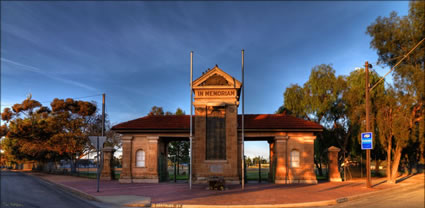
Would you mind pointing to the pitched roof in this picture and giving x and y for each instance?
(252, 121)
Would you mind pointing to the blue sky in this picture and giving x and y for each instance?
(137, 52)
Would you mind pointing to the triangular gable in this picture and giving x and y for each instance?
(216, 77)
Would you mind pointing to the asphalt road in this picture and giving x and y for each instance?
(20, 190)
(405, 198)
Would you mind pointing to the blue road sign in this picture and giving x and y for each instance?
(367, 140)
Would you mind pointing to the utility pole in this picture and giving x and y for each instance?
(97, 148)
(103, 114)
(368, 176)
(243, 124)
(191, 122)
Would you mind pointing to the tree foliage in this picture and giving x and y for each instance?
(39, 133)
(397, 111)
(402, 114)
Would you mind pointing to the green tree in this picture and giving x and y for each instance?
(393, 37)
(354, 101)
(318, 100)
(27, 131)
(385, 121)
(179, 112)
(156, 111)
(248, 161)
(71, 118)
(294, 101)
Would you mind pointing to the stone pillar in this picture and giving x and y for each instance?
(125, 176)
(334, 175)
(272, 166)
(152, 159)
(107, 170)
(282, 160)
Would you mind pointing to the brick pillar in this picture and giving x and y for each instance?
(152, 158)
(125, 176)
(334, 175)
(281, 155)
(272, 166)
(108, 156)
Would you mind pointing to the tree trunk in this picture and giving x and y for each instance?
(377, 164)
(178, 160)
(389, 149)
(394, 168)
(175, 171)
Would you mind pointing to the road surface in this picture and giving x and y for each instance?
(20, 190)
(406, 198)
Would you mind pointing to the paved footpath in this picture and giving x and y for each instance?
(171, 193)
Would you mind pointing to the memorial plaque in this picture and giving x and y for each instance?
(216, 135)
(216, 168)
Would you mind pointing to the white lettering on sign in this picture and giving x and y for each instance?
(206, 93)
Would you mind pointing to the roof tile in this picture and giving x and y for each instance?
(252, 121)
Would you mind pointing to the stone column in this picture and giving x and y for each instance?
(334, 175)
(281, 145)
(107, 170)
(272, 166)
(152, 159)
(125, 176)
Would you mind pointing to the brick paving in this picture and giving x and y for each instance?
(253, 194)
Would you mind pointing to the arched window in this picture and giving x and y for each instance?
(295, 158)
(140, 158)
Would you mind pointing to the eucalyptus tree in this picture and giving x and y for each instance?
(26, 131)
(71, 118)
(318, 100)
(392, 38)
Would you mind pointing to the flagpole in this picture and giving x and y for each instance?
(243, 124)
(191, 130)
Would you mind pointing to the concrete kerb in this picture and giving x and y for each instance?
(304, 204)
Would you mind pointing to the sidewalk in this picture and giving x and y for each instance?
(254, 194)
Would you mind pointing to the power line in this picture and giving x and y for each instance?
(404, 57)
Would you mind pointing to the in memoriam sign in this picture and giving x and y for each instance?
(214, 93)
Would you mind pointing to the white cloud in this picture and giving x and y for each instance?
(49, 75)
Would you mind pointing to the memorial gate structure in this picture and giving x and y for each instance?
(217, 138)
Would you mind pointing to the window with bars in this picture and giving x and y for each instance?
(216, 134)
(295, 158)
(140, 158)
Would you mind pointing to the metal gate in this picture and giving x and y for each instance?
(162, 168)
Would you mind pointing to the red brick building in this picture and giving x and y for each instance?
(217, 138)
